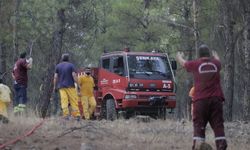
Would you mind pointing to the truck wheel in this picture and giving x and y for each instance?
(110, 110)
(103, 111)
(163, 114)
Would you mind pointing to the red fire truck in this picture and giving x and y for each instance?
(134, 83)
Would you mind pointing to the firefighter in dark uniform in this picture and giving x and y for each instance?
(208, 96)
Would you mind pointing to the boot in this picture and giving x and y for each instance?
(4, 119)
(197, 144)
(17, 112)
(221, 144)
(205, 146)
(201, 145)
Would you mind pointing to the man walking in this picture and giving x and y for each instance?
(20, 76)
(64, 79)
(87, 85)
(208, 96)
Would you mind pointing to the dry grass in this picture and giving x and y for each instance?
(56, 133)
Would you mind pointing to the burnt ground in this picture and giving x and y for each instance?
(59, 134)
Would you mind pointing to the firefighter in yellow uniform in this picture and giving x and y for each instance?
(191, 94)
(87, 85)
(4, 101)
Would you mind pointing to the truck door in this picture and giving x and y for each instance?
(104, 71)
(118, 68)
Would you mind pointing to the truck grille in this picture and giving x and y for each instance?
(150, 90)
(144, 103)
(143, 96)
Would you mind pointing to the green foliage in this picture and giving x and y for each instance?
(129, 23)
(6, 9)
(92, 26)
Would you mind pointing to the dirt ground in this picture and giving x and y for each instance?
(59, 134)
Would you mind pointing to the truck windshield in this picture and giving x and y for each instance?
(149, 67)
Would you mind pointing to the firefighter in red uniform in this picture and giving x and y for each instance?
(20, 76)
(208, 96)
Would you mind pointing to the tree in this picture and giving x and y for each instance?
(186, 43)
(196, 10)
(246, 14)
(3, 62)
(15, 22)
(6, 11)
(86, 28)
(54, 58)
(229, 22)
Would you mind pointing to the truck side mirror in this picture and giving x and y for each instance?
(173, 64)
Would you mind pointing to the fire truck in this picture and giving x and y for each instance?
(134, 83)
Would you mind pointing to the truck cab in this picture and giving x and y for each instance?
(134, 83)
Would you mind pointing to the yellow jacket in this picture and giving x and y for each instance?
(87, 85)
(191, 92)
(4, 93)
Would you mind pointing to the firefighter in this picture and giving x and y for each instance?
(191, 94)
(203, 145)
(20, 77)
(87, 85)
(65, 79)
(4, 101)
(208, 96)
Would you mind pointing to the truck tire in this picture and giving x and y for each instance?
(111, 113)
(163, 114)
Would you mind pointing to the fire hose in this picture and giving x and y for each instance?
(23, 136)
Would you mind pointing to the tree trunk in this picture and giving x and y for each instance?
(189, 82)
(147, 3)
(246, 97)
(3, 57)
(54, 58)
(1, 8)
(184, 106)
(229, 58)
(15, 28)
(196, 8)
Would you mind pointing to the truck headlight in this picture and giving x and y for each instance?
(141, 85)
(131, 85)
(130, 96)
(172, 97)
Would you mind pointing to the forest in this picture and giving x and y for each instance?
(86, 28)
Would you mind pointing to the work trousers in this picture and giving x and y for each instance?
(89, 105)
(209, 110)
(20, 94)
(3, 109)
(20, 98)
(69, 97)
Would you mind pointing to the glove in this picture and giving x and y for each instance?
(29, 61)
